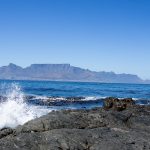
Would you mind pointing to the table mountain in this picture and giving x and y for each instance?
(63, 72)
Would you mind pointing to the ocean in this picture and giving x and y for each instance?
(21, 101)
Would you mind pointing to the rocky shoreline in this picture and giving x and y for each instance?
(119, 125)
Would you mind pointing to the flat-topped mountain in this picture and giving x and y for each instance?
(63, 72)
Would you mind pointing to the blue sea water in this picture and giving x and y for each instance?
(86, 89)
(21, 101)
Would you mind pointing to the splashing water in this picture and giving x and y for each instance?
(14, 111)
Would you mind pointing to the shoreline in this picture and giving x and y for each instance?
(106, 128)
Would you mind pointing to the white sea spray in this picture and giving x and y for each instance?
(15, 111)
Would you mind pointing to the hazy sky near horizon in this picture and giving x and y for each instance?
(110, 35)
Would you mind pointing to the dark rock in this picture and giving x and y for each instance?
(5, 132)
(59, 101)
(109, 102)
(2, 98)
(95, 129)
(118, 104)
(75, 98)
(29, 97)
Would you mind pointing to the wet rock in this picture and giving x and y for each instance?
(2, 98)
(29, 97)
(60, 101)
(75, 98)
(95, 129)
(118, 104)
(5, 132)
(109, 102)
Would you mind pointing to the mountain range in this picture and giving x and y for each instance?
(64, 72)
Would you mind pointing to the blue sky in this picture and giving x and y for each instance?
(110, 35)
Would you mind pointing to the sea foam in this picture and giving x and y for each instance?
(15, 111)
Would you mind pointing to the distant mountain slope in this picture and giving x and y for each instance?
(63, 72)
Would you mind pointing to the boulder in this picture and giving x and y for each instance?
(118, 104)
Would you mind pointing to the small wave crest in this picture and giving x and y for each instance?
(14, 110)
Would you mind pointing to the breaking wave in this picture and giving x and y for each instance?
(17, 108)
(15, 111)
